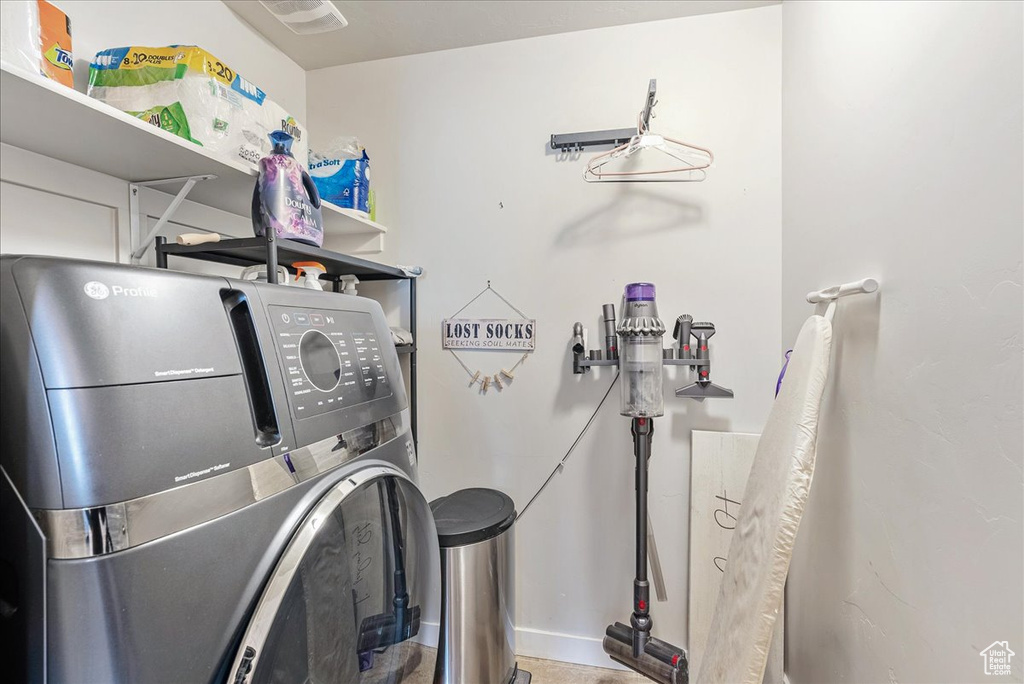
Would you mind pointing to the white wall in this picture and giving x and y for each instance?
(50, 207)
(902, 139)
(458, 142)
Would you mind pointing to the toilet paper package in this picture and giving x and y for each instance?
(341, 174)
(188, 92)
(19, 35)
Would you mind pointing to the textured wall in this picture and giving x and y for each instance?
(902, 138)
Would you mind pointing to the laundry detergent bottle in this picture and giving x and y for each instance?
(285, 200)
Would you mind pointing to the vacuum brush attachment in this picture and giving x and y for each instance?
(659, 660)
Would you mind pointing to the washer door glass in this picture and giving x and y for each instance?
(344, 603)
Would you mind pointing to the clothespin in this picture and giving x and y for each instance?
(497, 381)
(487, 383)
(507, 374)
(474, 379)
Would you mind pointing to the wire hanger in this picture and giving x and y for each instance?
(689, 162)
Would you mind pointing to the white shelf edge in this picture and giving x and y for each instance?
(371, 226)
(83, 100)
(337, 221)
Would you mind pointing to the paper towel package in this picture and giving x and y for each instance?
(190, 93)
(55, 44)
(35, 37)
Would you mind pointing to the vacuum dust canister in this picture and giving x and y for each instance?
(640, 356)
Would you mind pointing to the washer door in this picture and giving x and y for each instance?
(343, 604)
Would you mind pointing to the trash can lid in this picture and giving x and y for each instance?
(472, 515)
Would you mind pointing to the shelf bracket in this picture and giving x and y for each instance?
(139, 246)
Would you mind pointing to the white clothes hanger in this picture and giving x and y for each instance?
(689, 162)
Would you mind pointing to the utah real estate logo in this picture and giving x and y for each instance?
(997, 658)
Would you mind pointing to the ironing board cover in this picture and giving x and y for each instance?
(773, 503)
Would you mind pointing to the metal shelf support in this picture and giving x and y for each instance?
(135, 213)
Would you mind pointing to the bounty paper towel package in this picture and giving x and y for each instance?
(190, 93)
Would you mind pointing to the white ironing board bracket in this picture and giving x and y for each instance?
(831, 294)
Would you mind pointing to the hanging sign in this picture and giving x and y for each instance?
(517, 334)
(496, 334)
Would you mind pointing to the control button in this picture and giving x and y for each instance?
(301, 319)
(285, 318)
(317, 320)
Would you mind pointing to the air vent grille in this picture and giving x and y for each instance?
(306, 17)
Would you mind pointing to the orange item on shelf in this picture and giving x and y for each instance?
(300, 266)
(55, 44)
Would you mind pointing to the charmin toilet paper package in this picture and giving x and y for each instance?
(190, 93)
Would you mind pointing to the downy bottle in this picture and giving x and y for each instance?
(285, 199)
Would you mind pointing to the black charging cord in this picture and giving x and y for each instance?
(561, 464)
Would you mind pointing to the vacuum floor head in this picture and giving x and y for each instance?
(659, 660)
(381, 631)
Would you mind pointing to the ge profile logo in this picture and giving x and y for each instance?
(96, 290)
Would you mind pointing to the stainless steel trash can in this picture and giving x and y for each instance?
(477, 641)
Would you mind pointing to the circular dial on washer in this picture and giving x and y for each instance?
(320, 361)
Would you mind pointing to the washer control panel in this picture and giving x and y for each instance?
(332, 359)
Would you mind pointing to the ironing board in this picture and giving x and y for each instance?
(762, 543)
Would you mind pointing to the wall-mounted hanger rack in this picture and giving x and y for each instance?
(617, 136)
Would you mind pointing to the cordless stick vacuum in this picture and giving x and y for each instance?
(640, 358)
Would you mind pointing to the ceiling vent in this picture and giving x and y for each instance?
(305, 17)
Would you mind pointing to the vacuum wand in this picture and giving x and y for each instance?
(632, 645)
(643, 431)
(403, 622)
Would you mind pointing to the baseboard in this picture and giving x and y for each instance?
(536, 643)
(568, 648)
(428, 634)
